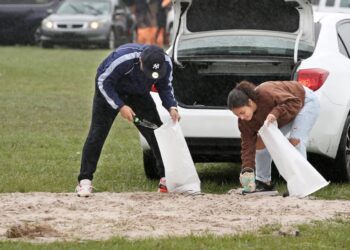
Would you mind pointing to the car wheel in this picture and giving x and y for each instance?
(342, 160)
(150, 165)
(111, 43)
(37, 35)
(121, 36)
(133, 36)
(46, 45)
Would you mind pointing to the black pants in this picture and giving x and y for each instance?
(103, 116)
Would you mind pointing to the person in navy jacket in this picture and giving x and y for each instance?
(123, 84)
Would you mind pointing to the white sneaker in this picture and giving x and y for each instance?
(84, 188)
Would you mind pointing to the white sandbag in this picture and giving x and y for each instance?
(302, 178)
(180, 172)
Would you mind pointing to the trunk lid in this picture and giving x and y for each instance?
(243, 27)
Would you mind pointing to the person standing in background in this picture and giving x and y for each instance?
(162, 12)
(145, 12)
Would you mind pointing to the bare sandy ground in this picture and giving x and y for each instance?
(46, 217)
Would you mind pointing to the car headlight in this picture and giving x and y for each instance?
(97, 24)
(48, 24)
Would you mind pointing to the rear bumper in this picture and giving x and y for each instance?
(215, 149)
(211, 135)
(210, 149)
(199, 123)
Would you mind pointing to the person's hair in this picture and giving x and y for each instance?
(239, 96)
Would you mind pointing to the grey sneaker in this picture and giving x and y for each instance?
(84, 188)
(247, 179)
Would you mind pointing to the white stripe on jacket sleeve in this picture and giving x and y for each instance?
(109, 70)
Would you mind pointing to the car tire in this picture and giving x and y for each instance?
(46, 45)
(111, 41)
(150, 165)
(133, 36)
(36, 36)
(121, 37)
(342, 160)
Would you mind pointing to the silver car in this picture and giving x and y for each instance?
(105, 23)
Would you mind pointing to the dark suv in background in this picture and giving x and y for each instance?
(20, 20)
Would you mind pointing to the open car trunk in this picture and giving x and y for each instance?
(205, 84)
(219, 43)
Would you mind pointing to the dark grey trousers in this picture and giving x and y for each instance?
(103, 116)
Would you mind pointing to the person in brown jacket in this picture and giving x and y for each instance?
(294, 107)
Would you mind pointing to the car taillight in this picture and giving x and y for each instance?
(154, 89)
(312, 78)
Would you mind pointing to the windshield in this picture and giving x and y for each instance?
(241, 45)
(84, 7)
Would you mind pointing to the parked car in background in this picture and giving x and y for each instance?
(220, 43)
(20, 20)
(105, 23)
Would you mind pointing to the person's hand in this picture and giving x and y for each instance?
(127, 113)
(270, 119)
(174, 114)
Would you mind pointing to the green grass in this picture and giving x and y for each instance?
(329, 235)
(45, 112)
(46, 97)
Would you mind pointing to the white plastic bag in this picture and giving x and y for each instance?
(180, 172)
(302, 178)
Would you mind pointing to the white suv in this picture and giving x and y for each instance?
(219, 43)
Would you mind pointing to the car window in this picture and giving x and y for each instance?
(330, 3)
(25, 1)
(224, 14)
(342, 48)
(345, 3)
(344, 37)
(84, 7)
(241, 45)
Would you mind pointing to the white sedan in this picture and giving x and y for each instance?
(215, 48)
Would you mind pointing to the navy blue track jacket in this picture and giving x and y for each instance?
(120, 74)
